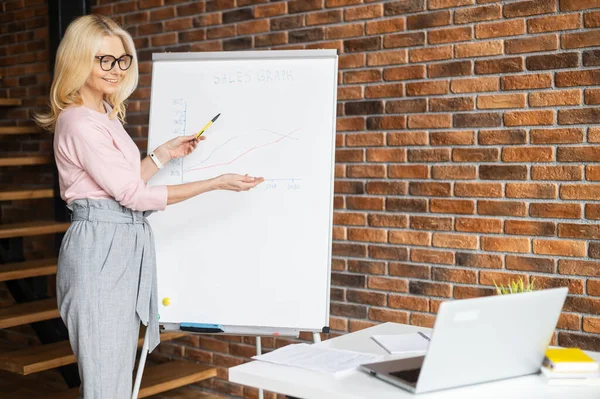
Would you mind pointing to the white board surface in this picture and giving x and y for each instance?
(259, 258)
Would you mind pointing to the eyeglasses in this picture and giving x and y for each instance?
(107, 62)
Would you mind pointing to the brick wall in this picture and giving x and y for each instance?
(468, 147)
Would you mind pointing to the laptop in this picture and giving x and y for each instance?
(479, 340)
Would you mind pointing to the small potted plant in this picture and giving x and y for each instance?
(515, 287)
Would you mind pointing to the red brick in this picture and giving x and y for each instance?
(575, 5)
(365, 140)
(404, 39)
(579, 116)
(559, 211)
(349, 218)
(479, 49)
(497, 101)
(387, 284)
(430, 289)
(430, 256)
(592, 172)
(386, 155)
(406, 107)
(450, 35)
(349, 93)
(452, 104)
(592, 211)
(531, 190)
(578, 154)
(437, 4)
(386, 122)
(378, 220)
(343, 31)
(386, 26)
(592, 96)
(530, 228)
(377, 171)
(404, 73)
(444, 240)
(495, 137)
(554, 23)
(499, 29)
(364, 12)
(579, 267)
(455, 68)
(429, 155)
(475, 85)
(576, 286)
(384, 315)
(408, 171)
(431, 54)
(410, 238)
(528, 154)
(453, 172)
(581, 39)
(409, 270)
(372, 75)
(384, 90)
(428, 88)
(475, 155)
(578, 78)
(532, 44)
(387, 58)
(528, 8)
(530, 264)
(365, 297)
(559, 247)
(478, 225)
(429, 189)
(428, 20)
(431, 223)
(556, 172)
(572, 230)
(406, 205)
(556, 136)
(269, 10)
(591, 325)
(478, 14)
(591, 19)
(422, 320)
(555, 98)
(365, 203)
(324, 17)
(501, 208)
(385, 252)
(407, 138)
(522, 82)
(429, 121)
(462, 292)
(452, 206)
(490, 190)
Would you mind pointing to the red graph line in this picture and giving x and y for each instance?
(244, 153)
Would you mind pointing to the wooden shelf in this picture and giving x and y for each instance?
(30, 312)
(32, 228)
(30, 268)
(161, 378)
(25, 194)
(45, 357)
(10, 102)
(27, 160)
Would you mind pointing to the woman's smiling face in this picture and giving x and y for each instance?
(103, 82)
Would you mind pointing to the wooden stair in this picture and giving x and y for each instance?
(19, 130)
(27, 160)
(45, 357)
(25, 194)
(29, 312)
(31, 268)
(161, 378)
(10, 102)
(32, 228)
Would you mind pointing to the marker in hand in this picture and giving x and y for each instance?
(206, 127)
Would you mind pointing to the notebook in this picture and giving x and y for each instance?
(399, 344)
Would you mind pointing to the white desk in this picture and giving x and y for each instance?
(356, 384)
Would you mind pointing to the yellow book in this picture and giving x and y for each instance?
(569, 360)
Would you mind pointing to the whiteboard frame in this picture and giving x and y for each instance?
(269, 55)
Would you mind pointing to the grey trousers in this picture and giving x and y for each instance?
(106, 285)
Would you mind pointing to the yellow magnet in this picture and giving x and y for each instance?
(166, 301)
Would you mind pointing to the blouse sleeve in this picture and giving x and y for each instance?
(93, 149)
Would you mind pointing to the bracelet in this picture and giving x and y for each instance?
(159, 164)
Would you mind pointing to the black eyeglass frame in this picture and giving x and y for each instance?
(115, 61)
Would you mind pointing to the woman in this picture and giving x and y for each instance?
(106, 278)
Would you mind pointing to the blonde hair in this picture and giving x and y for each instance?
(74, 64)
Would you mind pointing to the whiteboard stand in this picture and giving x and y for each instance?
(316, 338)
(140, 370)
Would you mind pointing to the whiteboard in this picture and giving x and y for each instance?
(260, 258)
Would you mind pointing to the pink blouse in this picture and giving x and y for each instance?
(96, 158)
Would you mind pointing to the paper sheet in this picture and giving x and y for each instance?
(319, 359)
(397, 344)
